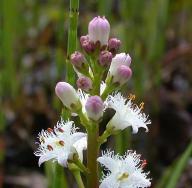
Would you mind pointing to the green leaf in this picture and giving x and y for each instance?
(173, 173)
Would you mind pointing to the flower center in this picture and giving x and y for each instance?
(123, 176)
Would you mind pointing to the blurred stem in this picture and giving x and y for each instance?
(119, 142)
(92, 154)
(78, 179)
(72, 39)
(59, 178)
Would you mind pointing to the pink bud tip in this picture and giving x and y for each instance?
(124, 72)
(99, 29)
(94, 107)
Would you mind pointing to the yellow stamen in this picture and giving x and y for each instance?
(42, 140)
(131, 96)
(141, 106)
(125, 175)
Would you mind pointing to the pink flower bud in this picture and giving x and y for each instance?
(77, 59)
(99, 30)
(118, 60)
(84, 83)
(105, 58)
(124, 73)
(67, 94)
(86, 44)
(94, 107)
(114, 44)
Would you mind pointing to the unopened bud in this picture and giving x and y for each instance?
(77, 59)
(99, 30)
(94, 107)
(86, 44)
(105, 58)
(114, 44)
(118, 60)
(124, 73)
(84, 83)
(68, 95)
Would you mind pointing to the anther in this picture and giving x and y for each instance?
(131, 96)
(50, 130)
(60, 130)
(141, 106)
(144, 163)
(61, 142)
(49, 147)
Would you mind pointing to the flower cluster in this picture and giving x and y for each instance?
(101, 71)
(61, 143)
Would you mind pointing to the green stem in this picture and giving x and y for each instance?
(92, 154)
(103, 137)
(78, 179)
(81, 166)
(72, 38)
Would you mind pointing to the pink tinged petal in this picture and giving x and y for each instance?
(94, 107)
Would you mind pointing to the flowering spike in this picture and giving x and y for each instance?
(99, 30)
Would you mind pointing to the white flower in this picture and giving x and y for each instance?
(127, 114)
(83, 99)
(61, 143)
(124, 171)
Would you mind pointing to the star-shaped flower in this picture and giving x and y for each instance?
(124, 171)
(127, 114)
(61, 143)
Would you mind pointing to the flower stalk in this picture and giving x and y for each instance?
(92, 154)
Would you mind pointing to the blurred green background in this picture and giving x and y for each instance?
(33, 50)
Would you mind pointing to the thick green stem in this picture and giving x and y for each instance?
(92, 154)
